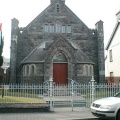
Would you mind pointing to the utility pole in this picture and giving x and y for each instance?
(1, 61)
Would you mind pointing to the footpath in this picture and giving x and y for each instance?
(81, 113)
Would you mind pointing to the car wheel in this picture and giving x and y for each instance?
(118, 115)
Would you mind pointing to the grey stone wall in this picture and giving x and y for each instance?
(13, 50)
(63, 46)
(34, 34)
(101, 60)
(38, 77)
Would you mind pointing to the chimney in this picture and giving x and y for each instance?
(118, 16)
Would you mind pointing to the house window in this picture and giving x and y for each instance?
(111, 77)
(63, 29)
(32, 70)
(91, 70)
(46, 28)
(85, 69)
(57, 28)
(51, 28)
(69, 29)
(27, 71)
(110, 54)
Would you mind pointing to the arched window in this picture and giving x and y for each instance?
(24, 70)
(27, 71)
(91, 71)
(85, 69)
(32, 70)
(59, 57)
(92, 67)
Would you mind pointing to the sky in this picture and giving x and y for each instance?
(89, 11)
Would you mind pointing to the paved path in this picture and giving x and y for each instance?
(58, 114)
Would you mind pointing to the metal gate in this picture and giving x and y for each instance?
(70, 95)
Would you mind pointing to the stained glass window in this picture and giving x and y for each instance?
(59, 57)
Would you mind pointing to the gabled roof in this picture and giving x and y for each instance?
(69, 11)
(42, 13)
(60, 37)
(39, 53)
(112, 36)
(83, 58)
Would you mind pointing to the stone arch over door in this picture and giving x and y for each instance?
(60, 68)
(48, 66)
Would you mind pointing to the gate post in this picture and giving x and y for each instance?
(72, 82)
(51, 93)
(92, 93)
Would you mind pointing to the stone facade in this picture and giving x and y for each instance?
(56, 30)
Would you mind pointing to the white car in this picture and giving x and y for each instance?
(107, 107)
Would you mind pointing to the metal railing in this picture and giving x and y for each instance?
(70, 95)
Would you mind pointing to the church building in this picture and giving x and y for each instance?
(58, 45)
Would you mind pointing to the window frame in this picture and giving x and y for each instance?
(63, 29)
(52, 28)
(57, 28)
(111, 55)
(69, 29)
(111, 77)
(46, 28)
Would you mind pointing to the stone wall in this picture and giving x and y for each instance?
(38, 77)
(34, 34)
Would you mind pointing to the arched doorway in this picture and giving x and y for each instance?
(60, 69)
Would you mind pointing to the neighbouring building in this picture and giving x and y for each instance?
(5, 66)
(112, 58)
(56, 44)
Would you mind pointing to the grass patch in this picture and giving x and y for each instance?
(10, 99)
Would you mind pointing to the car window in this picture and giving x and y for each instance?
(117, 95)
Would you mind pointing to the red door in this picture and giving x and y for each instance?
(60, 73)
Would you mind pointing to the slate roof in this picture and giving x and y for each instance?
(114, 31)
(83, 58)
(38, 54)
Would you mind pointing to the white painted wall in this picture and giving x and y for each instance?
(114, 66)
